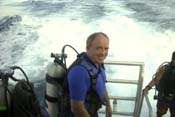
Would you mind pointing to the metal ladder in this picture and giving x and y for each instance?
(137, 99)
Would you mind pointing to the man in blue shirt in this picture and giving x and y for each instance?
(80, 83)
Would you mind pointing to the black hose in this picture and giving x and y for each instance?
(27, 79)
(63, 59)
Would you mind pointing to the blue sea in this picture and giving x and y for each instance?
(139, 30)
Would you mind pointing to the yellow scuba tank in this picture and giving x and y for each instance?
(55, 74)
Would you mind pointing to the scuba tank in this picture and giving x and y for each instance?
(4, 94)
(57, 95)
(3, 105)
(55, 73)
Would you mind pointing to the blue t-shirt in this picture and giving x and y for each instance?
(79, 81)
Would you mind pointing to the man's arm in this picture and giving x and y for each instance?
(108, 105)
(79, 109)
(154, 81)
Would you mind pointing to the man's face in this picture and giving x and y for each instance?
(98, 50)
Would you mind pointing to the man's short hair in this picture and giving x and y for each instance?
(91, 38)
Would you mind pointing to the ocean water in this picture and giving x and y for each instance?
(142, 31)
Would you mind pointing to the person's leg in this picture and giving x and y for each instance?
(162, 107)
(96, 115)
(172, 107)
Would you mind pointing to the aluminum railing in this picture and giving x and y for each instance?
(138, 100)
(149, 106)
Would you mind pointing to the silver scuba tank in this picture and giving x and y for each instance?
(3, 106)
(5, 99)
(5, 102)
(55, 72)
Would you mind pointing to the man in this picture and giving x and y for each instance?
(79, 80)
(165, 84)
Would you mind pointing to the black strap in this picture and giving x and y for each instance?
(93, 76)
(51, 99)
(54, 80)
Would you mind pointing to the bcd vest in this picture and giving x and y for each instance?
(92, 101)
